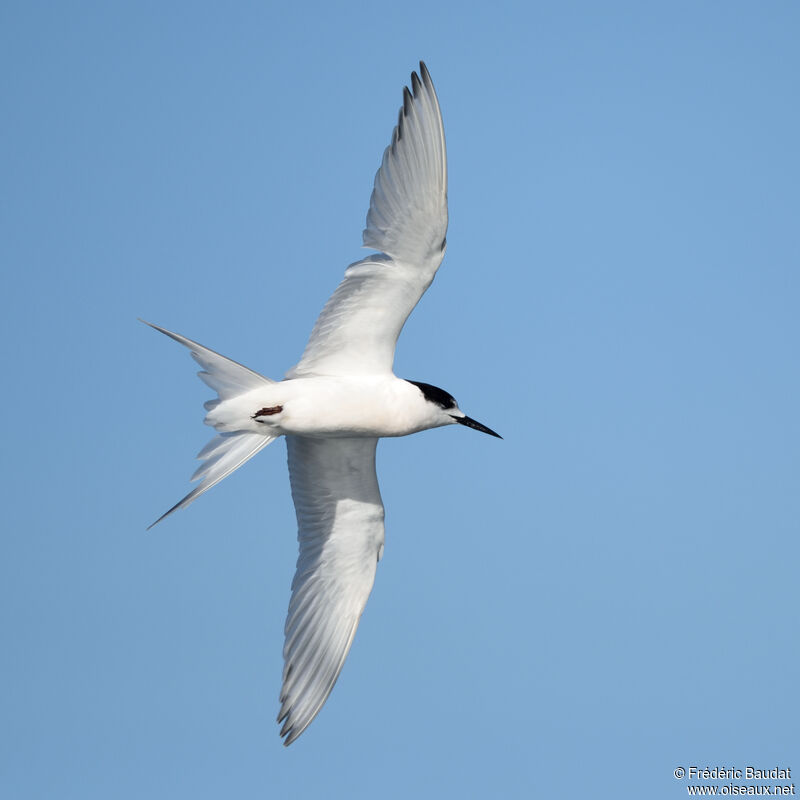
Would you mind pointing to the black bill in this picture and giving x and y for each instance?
(471, 423)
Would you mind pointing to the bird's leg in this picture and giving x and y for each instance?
(266, 412)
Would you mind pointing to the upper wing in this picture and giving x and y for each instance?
(340, 529)
(407, 216)
(407, 221)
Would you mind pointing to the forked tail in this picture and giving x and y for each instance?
(226, 452)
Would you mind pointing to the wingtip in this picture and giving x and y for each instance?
(416, 83)
(424, 73)
(289, 733)
(407, 99)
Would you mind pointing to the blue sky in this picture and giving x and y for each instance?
(575, 611)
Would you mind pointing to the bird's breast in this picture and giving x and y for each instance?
(358, 406)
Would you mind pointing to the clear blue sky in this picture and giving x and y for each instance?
(607, 594)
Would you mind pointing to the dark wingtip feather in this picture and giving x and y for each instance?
(426, 76)
(398, 131)
(407, 100)
(416, 84)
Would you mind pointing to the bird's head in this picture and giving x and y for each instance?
(444, 410)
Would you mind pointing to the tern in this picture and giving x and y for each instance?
(335, 404)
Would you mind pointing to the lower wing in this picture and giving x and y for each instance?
(340, 530)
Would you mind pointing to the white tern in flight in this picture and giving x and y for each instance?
(337, 402)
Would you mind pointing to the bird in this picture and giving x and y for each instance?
(334, 405)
